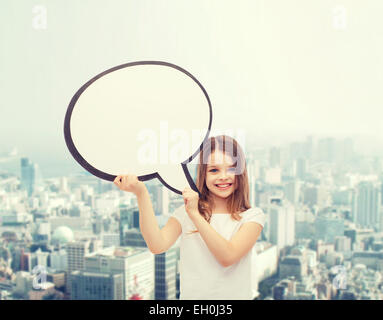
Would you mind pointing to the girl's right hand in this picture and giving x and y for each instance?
(129, 183)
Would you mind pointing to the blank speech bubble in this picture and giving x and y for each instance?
(148, 118)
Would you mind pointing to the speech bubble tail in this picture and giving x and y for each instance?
(177, 179)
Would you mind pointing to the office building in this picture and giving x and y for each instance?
(136, 265)
(96, 286)
(282, 224)
(166, 274)
(159, 195)
(76, 252)
(366, 205)
(29, 175)
(129, 219)
(292, 191)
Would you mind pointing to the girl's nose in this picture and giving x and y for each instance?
(223, 174)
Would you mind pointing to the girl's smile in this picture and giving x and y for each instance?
(223, 186)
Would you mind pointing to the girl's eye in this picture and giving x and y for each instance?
(211, 170)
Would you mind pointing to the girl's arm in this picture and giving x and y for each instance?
(227, 252)
(157, 240)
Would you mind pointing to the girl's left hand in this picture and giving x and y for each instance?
(191, 202)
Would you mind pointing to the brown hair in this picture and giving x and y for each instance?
(238, 201)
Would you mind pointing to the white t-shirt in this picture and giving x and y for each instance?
(202, 277)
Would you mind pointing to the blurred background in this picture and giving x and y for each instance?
(296, 82)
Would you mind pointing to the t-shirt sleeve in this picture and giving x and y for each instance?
(179, 214)
(255, 215)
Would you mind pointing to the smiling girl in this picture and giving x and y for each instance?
(217, 230)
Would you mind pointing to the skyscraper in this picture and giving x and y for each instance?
(29, 175)
(126, 221)
(166, 274)
(160, 198)
(253, 172)
(76, 252)
(292, 191)
(366, 202)
(282, 225)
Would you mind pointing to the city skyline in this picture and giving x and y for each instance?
(322, 238)
(52, 166)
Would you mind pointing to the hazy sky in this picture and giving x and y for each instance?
(271, 67)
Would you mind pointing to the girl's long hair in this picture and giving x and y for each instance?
(238, 201)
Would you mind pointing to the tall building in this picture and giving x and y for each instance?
(126, 221)
(366, 205)
(76, 252)
(252, 191)
(166, 274)
(282, 225)
(63, 185)
(160, 199)
(292, 191)
(136, 265)
(253, 172)
(130, 234)
(97, 286)
(29, 175)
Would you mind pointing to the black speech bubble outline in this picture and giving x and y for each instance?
(87, 166)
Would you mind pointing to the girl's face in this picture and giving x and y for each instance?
(220, 175)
